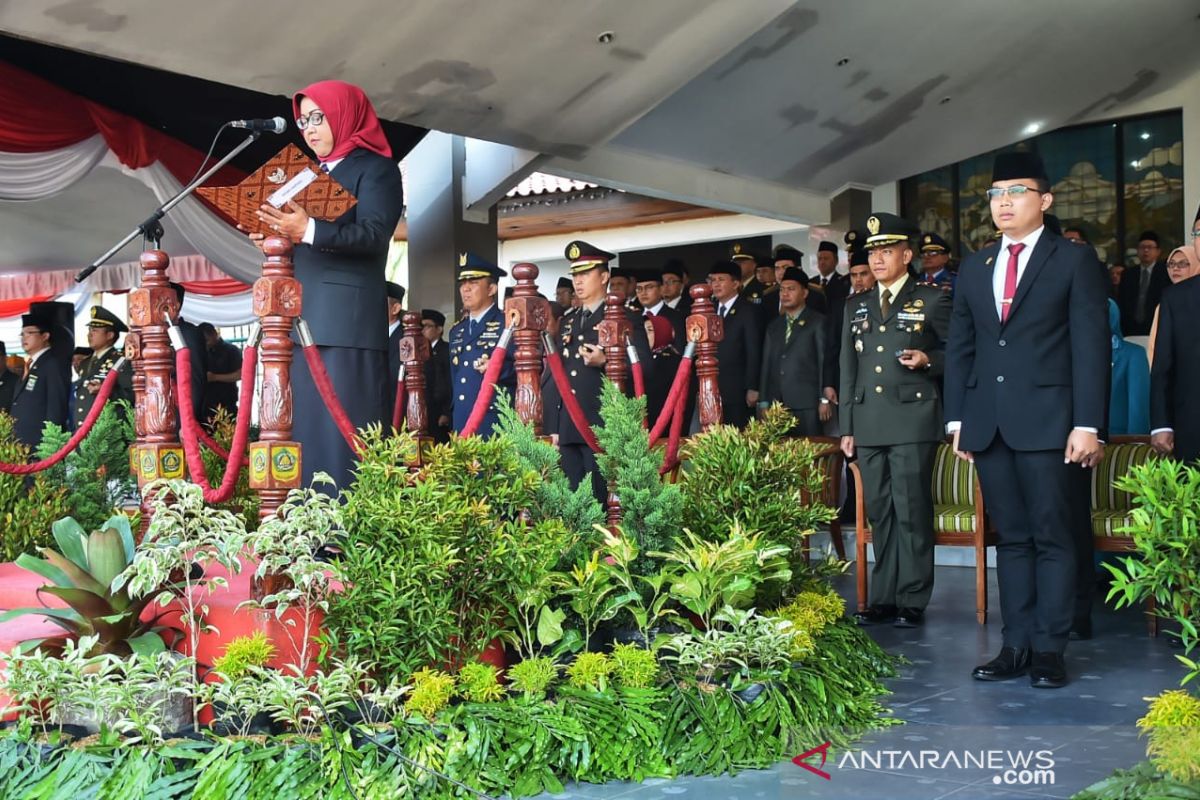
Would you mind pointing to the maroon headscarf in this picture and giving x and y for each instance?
(664, 332)
(351, 117)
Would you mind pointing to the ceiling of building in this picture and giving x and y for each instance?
(805, 96)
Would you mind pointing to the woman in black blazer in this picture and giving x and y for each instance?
(341, 265)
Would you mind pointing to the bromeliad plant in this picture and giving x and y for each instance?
(84, 573)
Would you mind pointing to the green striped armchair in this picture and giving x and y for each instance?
(959, 520)
(1112, 508)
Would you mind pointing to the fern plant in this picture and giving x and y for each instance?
(28, 509)
(96, 474)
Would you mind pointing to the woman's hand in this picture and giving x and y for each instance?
(290, 221)
(256, 239)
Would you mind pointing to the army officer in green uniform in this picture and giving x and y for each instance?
(891, 417)
(102, 331)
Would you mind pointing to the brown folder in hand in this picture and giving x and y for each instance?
(289, 175)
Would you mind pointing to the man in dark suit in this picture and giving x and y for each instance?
(1141, 286)
(9, 381)
(794, 370)
(44, 393)
(1027, 370)
(224, 373)
(1175, 372)
(197, 354)
(437, 375)
(740, 351)
(675, 284)
(564, 295)
(395, 313)
(473, 339)
(833, 287)
(891, 419)
(649, 294)
(583, 359)
(752, 289)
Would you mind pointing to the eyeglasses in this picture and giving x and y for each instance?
(996, 192)
(1196, 233)
(1177, 264)
(314, 119)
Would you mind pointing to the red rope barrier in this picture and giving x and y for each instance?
(190, 431)
(325, 388)
(211, 443)
(672, 456)
(554, 361)
(106, 390)
(639, 379)
(487, 390)
(678, 386)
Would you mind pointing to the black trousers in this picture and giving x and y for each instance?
(1032, 498)
(808, 422)
(1085, 566)
(579, 463)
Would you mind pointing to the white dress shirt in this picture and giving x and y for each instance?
(657, 309)
(1000, 268)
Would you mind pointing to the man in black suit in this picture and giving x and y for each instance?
(1141, 286)
(649, 295)
(739, 353)
(1027, 371)
(395, 310)
(675, 284)
(834, 286)
(1175, 372)
(437, 375)
(794, 367)
(9, 381)
(583, 359)
(44, 393)
(197, 354)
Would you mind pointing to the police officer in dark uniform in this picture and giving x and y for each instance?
(891, 417)
(473, 338)
(935, 262)
(102, 331)
(752, 290)
(584, 359)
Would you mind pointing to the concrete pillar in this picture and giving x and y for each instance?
(849, 208)
(437, 231)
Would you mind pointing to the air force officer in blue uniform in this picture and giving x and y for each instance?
(473, 338)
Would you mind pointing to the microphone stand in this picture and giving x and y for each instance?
(151, 228)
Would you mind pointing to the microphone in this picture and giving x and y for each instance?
(272, 125)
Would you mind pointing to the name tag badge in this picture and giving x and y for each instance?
(911, 316)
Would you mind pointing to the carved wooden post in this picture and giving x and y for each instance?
(275, 458)
(414, 352)
(527, 315)
(612, 333)
(156, 449)
(706, 329)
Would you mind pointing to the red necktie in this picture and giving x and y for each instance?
(1010, 280)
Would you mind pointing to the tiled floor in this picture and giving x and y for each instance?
(1088, 726)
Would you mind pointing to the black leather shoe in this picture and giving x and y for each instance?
(1009, 664)
(909, 618)
(874, 615)
(1048, 671)
(1081, 629)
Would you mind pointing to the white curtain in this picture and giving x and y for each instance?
(224, 312)
(36, 176)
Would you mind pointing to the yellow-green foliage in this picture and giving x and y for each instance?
(478, 683)
(243, 653)
(636, 667)
(26, 512)
(533, 675)
(431, 692)
(810, 613)
(1176, 751)
(590, 671)
(1171, 709)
